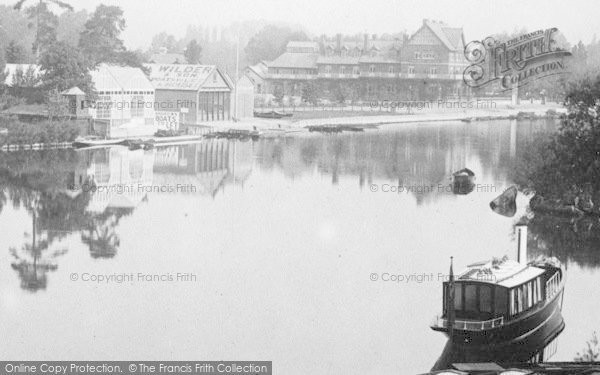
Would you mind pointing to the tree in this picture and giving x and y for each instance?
(592, 351)
(46, 22)
(57, 105)
(193, 52)
(15, 53)
(568, 163)
(131, 58)
(70, 26)
(99, 40)
(270, 42)
(164, 41)
(3, 73)
(64, 67)
(309, 93)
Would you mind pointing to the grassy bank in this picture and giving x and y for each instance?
(45, 132)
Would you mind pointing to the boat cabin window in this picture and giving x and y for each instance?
(471, 298)
(485, 299)
(478, 300)
(525, 296)
(457, 297)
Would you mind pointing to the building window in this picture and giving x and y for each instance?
(390, 89)
(355, 70)
(103, 107)
(137, 106)
(391, 69)
(411, 70)
(432, 70)
(328, 69)
(417, 55)
(371, 68)
(342, 69)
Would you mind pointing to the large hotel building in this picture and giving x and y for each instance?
(427, 65)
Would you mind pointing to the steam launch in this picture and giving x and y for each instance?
(501, 300)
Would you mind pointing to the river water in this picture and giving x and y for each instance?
(322, 253)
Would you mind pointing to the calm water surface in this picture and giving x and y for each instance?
(280, 238)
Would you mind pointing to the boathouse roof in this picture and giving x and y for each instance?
(506, 273)
(188, 77)
(110, 78)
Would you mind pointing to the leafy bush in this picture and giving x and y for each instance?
(570, 159)
(21, 133)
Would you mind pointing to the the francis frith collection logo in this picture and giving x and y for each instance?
(516, 62)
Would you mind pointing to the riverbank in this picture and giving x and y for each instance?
(400, 116)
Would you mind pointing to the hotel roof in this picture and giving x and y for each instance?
(295, 60)
(451, 37)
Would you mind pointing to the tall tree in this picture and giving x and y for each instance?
(3, 73)
(100, 40)
(270, 42)
(64, 66)
(46, 22)
(164, 40)
(193, 52)
(15, 53)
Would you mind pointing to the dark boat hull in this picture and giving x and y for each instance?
(514, 330)
(531, 348)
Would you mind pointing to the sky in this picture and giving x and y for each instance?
(576, 19)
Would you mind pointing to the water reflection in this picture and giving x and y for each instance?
(275, 215)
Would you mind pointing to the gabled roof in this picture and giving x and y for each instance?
(451, 37)
(259, 69)
(295, 60)
(120, 78)
(183, 76)
(73, 91)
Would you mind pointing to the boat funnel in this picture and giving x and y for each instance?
(521, 243)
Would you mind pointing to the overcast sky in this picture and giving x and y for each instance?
(577, 19)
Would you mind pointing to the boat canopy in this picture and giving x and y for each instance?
(522, 277)
(501, 272)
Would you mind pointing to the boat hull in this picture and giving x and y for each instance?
(513, 330)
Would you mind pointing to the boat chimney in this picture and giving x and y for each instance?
(522, 243)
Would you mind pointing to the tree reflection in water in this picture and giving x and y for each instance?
(38, 181)
(33, 261)
(100, 232)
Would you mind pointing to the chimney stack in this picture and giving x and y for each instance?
(522, 243)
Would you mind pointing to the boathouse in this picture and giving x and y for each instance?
(193, 93)
(125, 102)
